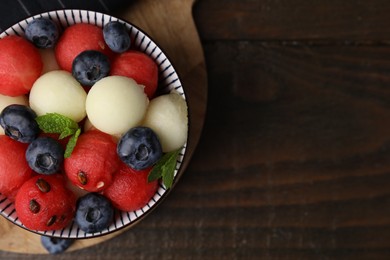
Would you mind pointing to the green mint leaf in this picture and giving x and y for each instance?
(72, 143)
(165, 169)
(57, 124)
(155, 173)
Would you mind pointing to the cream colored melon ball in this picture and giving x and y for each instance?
(167, 116)
(115, 104)
(59, 92)
(7, 100)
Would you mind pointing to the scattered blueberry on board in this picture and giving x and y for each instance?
(45, 155)
(139, 148)
(19, 123)
(42, 32)
(56, 245)
(116, 36)
(90, 66)
(94, 213)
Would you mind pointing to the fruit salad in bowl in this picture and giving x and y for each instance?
(94, 124)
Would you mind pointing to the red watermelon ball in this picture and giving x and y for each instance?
(76, 39)
(14, 170)
(130, 189)
(138, 66)
(44, 203)
(20, 65)
(93, 162)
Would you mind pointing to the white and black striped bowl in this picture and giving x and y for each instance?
(168, 81)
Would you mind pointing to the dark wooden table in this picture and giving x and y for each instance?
(294, 160)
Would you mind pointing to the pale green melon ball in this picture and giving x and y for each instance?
(7, 100)
(115, 104)
(167, 116)
(58, 92)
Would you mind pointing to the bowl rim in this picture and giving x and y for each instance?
(179, 169)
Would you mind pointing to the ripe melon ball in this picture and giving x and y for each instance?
(58, 92)
(20, 65)
(138, 66)
(130, 189)
(76, 39)
(7, 100)
(14, 169)
(93, 162)
(115, 104)
(44, 203)
(167, 116)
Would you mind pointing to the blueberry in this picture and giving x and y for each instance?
(45, 155)
(90, 66)
(42, 32)
(55, 245)
(139, 148)
(19, 123)
(116, 36)
(94, 213)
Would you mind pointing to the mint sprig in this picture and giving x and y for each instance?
(165, 169)
(55, 123)
(72, 143)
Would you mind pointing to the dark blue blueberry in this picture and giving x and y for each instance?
(90, 66)
(55, 245)
(19, 123)
(94, 213)
(42, 32)
(45, 155)
(116, 36)
(139, 148)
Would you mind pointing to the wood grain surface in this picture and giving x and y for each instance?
(294, 157)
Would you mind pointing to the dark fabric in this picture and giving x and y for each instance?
(12, 11)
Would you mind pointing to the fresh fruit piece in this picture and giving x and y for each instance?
(42, 32)
(7, 100)
(93, 161)
(18, 122)
(115, 104)
(55, 245)
(14, 170)
(139, 148)
(116, 36)
(45, 155)
(94, 213)
(76, 39)
(20, 65)
(167, 115)
(58, 92)
(130, 189)
(49, 60)
(44, 203)
(138, 66)
(90, 66)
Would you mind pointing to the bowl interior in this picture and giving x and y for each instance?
(168, 81)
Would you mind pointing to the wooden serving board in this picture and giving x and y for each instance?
(170, 24)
